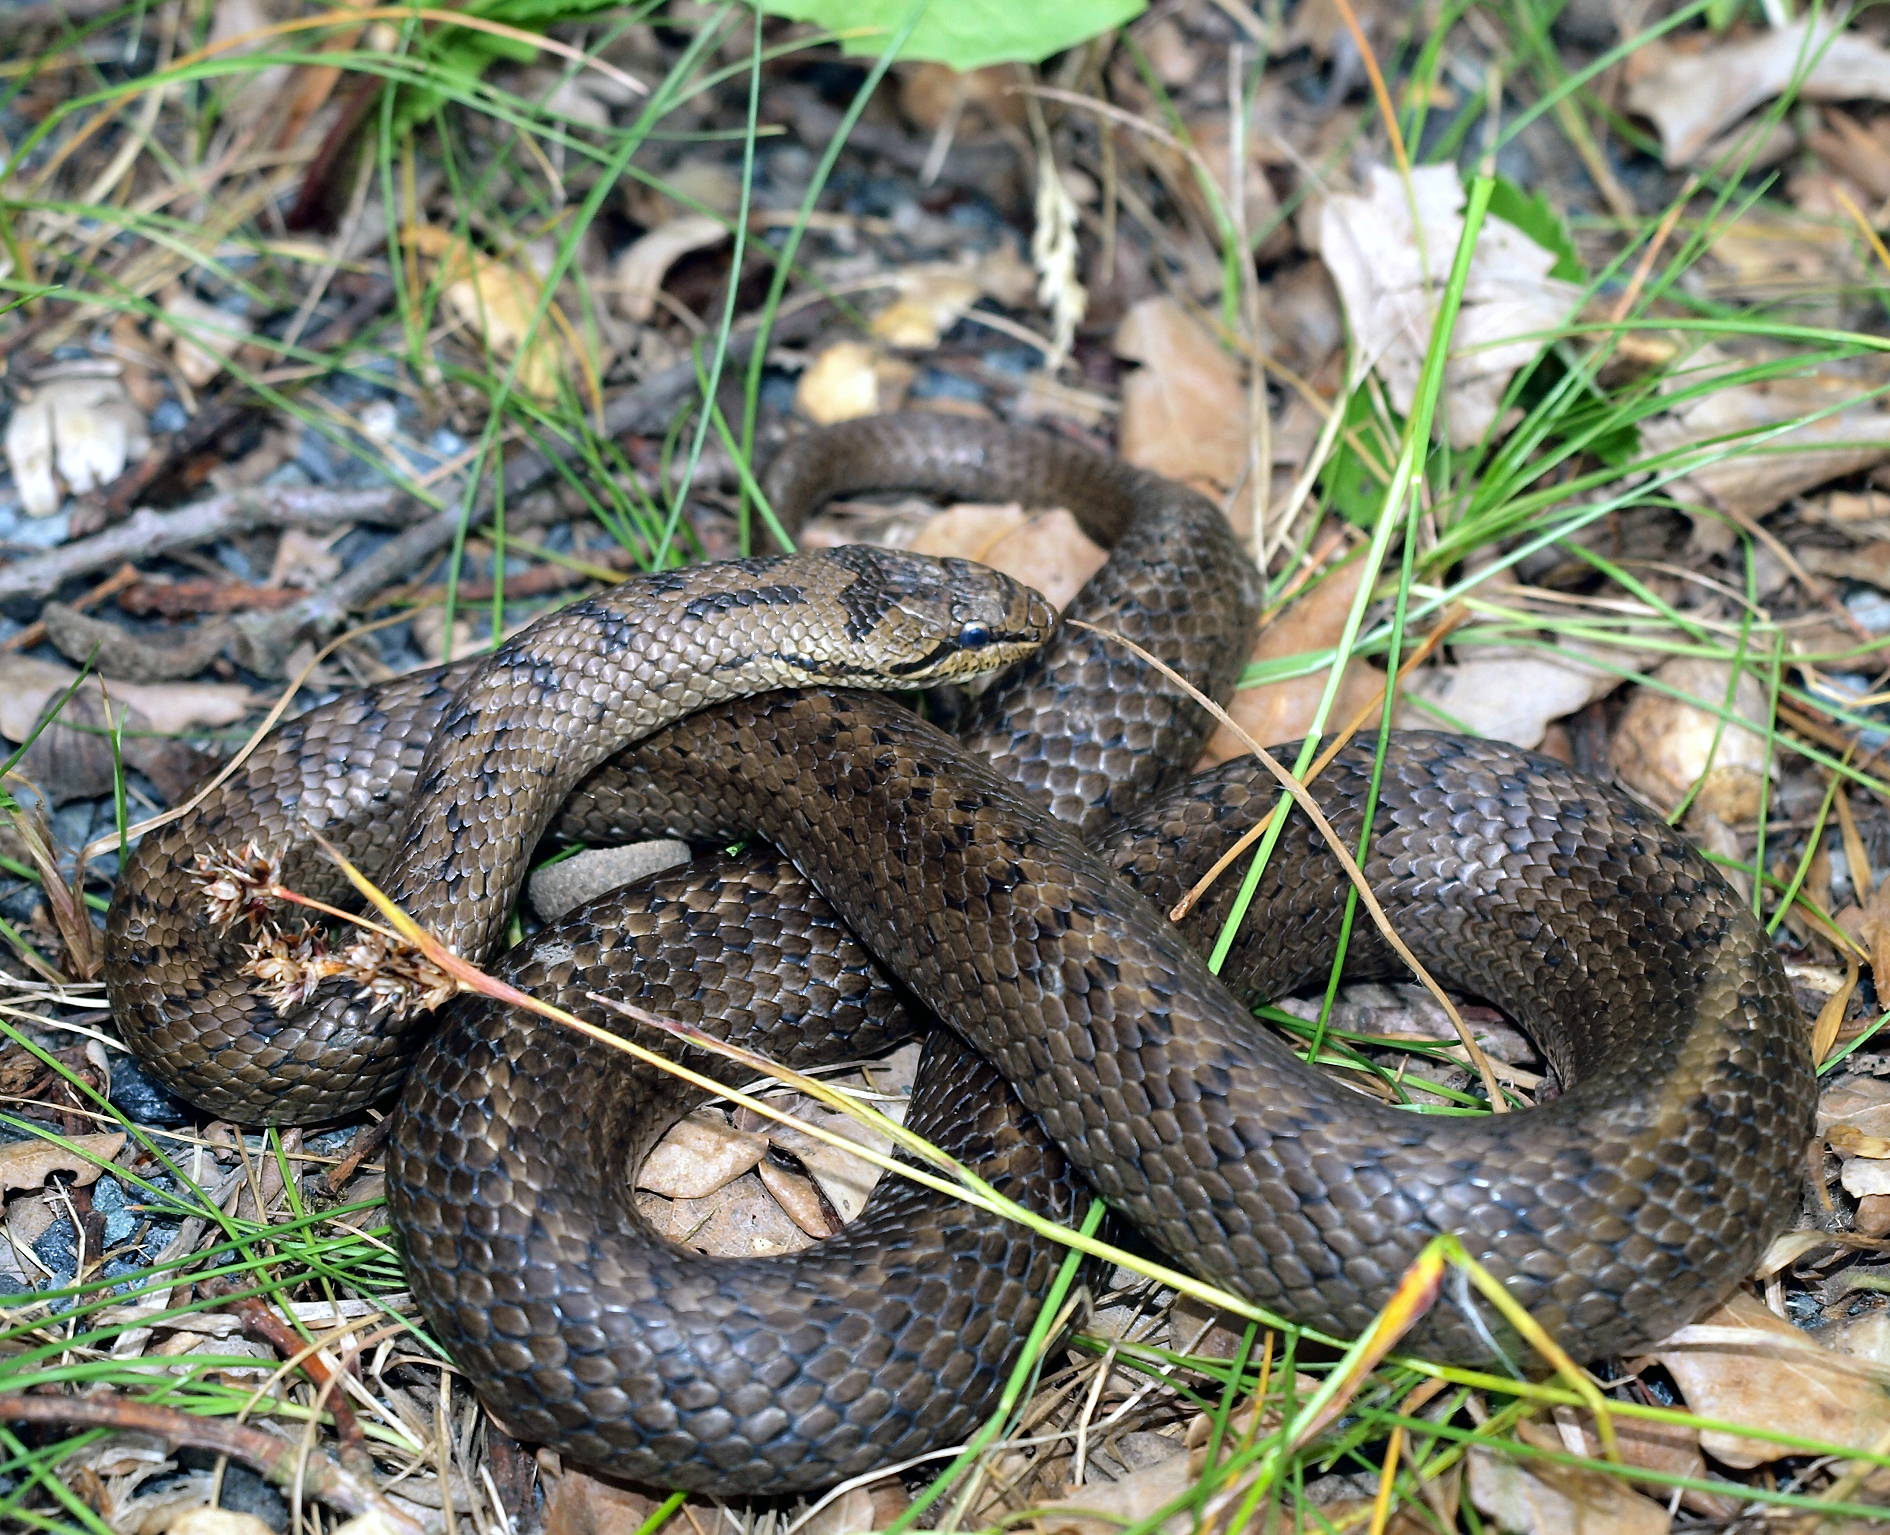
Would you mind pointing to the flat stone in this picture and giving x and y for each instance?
(569, 883)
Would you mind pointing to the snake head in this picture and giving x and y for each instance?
(919, 620)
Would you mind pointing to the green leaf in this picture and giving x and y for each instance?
(966, 34)
(463, 55)
(1533, 214)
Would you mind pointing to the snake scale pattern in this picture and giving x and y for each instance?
(1007, 885)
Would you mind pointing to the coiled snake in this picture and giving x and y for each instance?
(1614, 1213)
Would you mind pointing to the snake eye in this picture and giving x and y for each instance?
(973, 637)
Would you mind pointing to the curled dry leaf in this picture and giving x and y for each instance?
(1745, 1364)
(637, 275)
(1184, 411)
(72, 434)
(1690, 96)
(1283, 711)
(1390, 291)
(1849, 434)
(203, 337)
(1538, 1498)
(1663, 745)
(698, 1156)
(846, 1180)
(851, 379)
(27, 1164)
(798, 1197)
(1504, 697)
(498, 299)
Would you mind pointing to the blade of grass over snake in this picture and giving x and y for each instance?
(1336, 745)
(964, 1184)
(1294, 790)
(1404, 478)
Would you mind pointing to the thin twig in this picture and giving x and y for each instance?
(1352, 727)
(275, 1458)
(146, 534)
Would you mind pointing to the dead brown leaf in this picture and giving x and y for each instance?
(1663, 745)
(1745, 1364)
(698, 1156)
(1184, 411)
(1537, 1498)
(27, 1164)
(1850, 433)
(1691, 95)
(498, 299)
(1283, 711)
(171, 708)
(1502, 696)
(578, 1503)
(1048, 551)
(1389, 281)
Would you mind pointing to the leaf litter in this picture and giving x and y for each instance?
(1656, 503)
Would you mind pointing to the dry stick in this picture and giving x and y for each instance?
(1339, 850)
(1451, 620)
(261, 1322)
(274, 1458)
(146, 533)
(125, 576)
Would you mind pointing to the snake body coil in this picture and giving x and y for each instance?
(1615, 1212)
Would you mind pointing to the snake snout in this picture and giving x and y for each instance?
(954, 619)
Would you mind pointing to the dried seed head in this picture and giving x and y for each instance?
(290, 968)
(237, 885)
(396, 975)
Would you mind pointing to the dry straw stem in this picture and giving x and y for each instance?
(1451, 619)
(963, 1183)
(1294, 787)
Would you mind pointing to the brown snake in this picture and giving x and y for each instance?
(1615, 1212)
